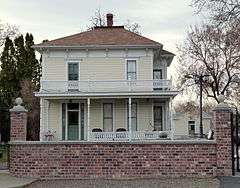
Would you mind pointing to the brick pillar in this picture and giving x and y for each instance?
(222, 125)
(18, 116)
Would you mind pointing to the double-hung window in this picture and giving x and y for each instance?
(108, 117)
(157, 74)
(131, 70)
(73, 71)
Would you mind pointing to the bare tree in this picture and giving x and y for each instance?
(221, 11)
(99, 20)
(7, 30)
(192, 108)
(208, 50)
(133, 27)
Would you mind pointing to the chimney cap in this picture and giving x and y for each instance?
(45, 40)
(109, 15)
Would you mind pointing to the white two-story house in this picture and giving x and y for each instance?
(106, 84)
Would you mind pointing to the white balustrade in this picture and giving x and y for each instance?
(105, 86)
(125, 136)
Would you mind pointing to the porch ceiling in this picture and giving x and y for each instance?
(83, 95)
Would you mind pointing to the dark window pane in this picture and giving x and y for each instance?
(157, 74)
(82, 121)
(108, 117)
(63, 121)
(73, 106)
(191, 127)
(108, 125)
(73, 125)
(107, 110)
(158, 118)
(131, 70)
(73, 71)
(73, 117)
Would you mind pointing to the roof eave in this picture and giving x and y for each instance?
(41, 47)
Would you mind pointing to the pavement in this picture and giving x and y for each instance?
(8, 181)
(229, 182)
(129, 183)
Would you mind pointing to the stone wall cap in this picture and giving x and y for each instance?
(18, 108)
(222, 106)
(196, 141)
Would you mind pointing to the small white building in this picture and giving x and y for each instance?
(186, 124)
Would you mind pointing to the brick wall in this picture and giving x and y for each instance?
(173, 158)
(113, 160)
(18, 126)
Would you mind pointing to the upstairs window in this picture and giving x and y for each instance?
(157, 74)
(73, 71)
(131, 70)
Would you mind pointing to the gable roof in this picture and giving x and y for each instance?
(102, 36)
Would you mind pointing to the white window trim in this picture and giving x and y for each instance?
(134, 59)
(73, 61)
(114, 113)
(79, 116)
(192, 124)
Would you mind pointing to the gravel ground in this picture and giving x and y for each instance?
(137, 183)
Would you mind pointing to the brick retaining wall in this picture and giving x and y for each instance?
(113, 160)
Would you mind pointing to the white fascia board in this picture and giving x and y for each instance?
(37, 47)
(166, 94)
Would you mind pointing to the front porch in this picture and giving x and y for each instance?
(105, 119)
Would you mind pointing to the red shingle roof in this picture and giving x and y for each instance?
(115, 35)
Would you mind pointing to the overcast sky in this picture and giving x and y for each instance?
(165, 21)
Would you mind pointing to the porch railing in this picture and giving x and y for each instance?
(106, 86)
(125, 136)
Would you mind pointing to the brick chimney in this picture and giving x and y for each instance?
(109, 20)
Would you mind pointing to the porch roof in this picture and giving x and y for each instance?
(85, 95)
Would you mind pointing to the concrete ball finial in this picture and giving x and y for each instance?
(18, 101)
(221, 98)
(18, 107)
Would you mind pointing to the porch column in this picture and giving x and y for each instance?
(44, 107)
(41, 119)
(130, 117)
(172, 128)
(88, 119)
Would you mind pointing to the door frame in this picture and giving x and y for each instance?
(163, 105)
(79, 119)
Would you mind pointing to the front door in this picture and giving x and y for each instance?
(158, 117)
(73, 121)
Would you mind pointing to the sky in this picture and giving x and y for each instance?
(165, 21)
